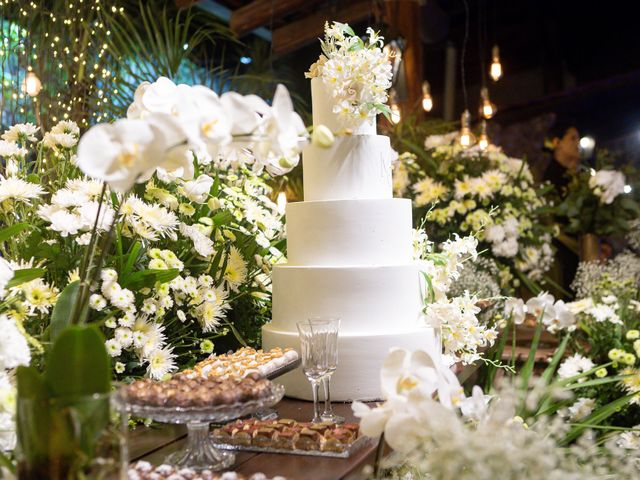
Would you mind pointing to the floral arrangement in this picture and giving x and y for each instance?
(357, 73)
(177, 195)
(437, 432)
(463, 332)
(482, 191)
(597, 201)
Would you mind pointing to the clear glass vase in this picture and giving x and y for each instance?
(69, 438)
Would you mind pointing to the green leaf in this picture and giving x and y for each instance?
(61, 315)
(131, 259)
(148, 278)
(223, 218)
(30, 383)
(25, 275)
(78, 364)
(527, 368)
(13, 230)
(597, 417)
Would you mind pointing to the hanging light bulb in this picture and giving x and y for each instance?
(396, 116)
(427, 101)
(495, 71)
(483, 139)
(466, 138)
(31, 85)
(487, 109)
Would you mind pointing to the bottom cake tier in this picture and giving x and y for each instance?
(360, 360)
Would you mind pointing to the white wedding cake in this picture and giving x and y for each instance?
(350, 255)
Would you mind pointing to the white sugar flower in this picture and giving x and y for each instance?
(14, 349)
(161, 363)
(18, 190)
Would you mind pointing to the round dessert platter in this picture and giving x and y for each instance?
(200, 452)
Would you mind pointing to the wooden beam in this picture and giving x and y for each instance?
(403, 17)
(261, 12)
(307, 30)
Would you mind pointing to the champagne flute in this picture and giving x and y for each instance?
(332, 365)
(313, 349)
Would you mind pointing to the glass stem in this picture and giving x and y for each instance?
(316, 404)
(327, 396)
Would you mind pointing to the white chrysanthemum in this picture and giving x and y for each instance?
(575, 365)
(14, 349)
(236, 271)
(18, 190)
(11, 149)
(124, 337)
(113, 347)
(161, 363)
(122, 299)
(581, 409)
(66, 126)
(59, 140)
(90, 188)
(21, 132)
(150, 221)
(38, 295)
(97, 302)
(629, 440)
(60, 220)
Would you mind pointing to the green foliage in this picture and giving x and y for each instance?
(62, 413)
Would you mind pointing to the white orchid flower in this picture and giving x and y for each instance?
(122, 152)
(516, 308)
(542, 307)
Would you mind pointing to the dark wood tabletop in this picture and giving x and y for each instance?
(155, 443)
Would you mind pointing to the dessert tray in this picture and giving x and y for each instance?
(200, 453)
(245, 361)
(290, 437)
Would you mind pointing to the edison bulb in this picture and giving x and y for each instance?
(487, 108)
(483, 139)
(427, 101)
(466, 138)
(495, 71)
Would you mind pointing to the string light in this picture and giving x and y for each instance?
(483, 139)
(495, 71)
(466, 138)
(396, 115)
(487, 108)
(427, 101)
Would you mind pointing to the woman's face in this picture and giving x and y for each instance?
(567, 151)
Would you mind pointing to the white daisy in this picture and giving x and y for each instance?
(18, 190)
(161, 363)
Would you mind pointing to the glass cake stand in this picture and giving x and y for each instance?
(200, 452)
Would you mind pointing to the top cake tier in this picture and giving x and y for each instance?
(322, 107)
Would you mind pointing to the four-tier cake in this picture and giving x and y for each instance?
(350, 255)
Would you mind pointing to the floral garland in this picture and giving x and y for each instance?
(485, 192)
(357, 73)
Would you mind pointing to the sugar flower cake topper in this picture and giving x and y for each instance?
(356, 72)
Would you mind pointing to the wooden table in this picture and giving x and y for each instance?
(153, 444)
